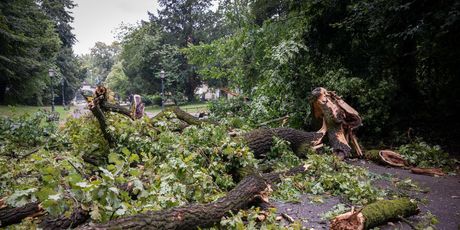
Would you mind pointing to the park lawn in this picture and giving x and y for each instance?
(6, 110)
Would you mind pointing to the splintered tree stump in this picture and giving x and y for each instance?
(341, 120)
(375, 214)
(261, 140)
(78, 217)
(252, 191)
(9, 216)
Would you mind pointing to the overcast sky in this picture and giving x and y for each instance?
(96, 20)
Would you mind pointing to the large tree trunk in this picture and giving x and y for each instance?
(261, 140)
(252, 191)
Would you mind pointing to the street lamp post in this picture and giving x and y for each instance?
(51, 73)
(63, 94)
(162, 76)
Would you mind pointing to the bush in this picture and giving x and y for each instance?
(25, 131)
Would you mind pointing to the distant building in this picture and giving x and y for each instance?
(206, 93)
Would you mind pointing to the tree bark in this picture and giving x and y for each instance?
(261, 140)
(341, 119)
(97, 112)
(105, 106)
(375, 214)
(251, 191)
(78, 216)
(9, 216)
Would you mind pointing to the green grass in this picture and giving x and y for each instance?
(22, 109)
(190, 108)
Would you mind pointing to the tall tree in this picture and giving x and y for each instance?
(103, 57)
(144, 56)
(59, 11)
(28, 45)
(187, 22)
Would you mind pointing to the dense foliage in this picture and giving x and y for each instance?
(393, 61)
(36, 36)
(423, 155)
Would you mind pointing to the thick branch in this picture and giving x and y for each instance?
(97, 112)
(253, 190)
(116, 109)
(182, 115)
(9, 216)
(375, 214)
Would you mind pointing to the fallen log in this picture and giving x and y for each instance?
(252, 191)
(108, 107)
(9, 216)
(78, 217)
(375, 214)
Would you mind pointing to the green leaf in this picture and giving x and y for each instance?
(125, 151)
(55, 197)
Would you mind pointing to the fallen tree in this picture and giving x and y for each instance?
(336, 118)
(172, 159)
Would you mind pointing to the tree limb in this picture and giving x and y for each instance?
(251, 191)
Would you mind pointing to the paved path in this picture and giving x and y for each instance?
(441, 193)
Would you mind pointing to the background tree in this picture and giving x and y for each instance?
(103, 57)
(185, 23)
(144, 55)
(28, 45)
(69, 72)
